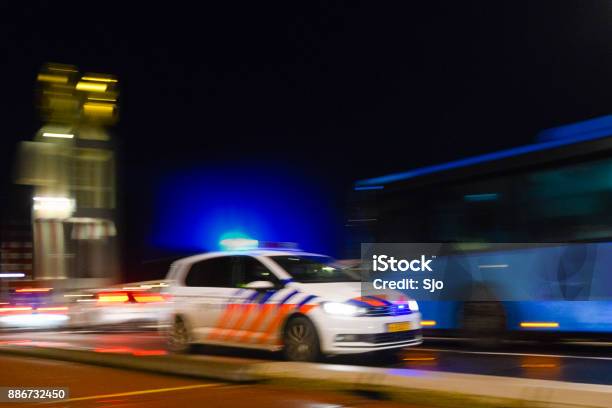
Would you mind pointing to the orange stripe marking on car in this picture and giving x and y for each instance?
(371, 302)
(224, 320)
(306, 308)
(246, 312)
(264, 311)
(275, 322)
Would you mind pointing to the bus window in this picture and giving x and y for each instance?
(571, 203)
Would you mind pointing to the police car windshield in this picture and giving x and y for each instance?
(314, 269)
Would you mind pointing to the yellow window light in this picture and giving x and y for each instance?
(428, 323)
(99, 109)
(98, 79)
(539, 324)
(103, 99)
(61, 68)
(60, 79)
(91, 86)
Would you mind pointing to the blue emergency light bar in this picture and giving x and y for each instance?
(243, 244)
(278, 245)
(238, 244)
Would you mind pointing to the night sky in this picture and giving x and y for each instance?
(337, 91)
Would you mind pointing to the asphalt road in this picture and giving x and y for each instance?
(575, 363)
(99, 387)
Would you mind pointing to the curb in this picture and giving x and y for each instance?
(173, 365)
(438, 389)
(426, 388)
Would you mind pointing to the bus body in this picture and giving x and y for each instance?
(556, 191)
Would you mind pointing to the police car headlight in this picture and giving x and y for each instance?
(343, 309)
(413, 305)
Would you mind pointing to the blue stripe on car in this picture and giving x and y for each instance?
(286, 298)
(266, 296)
(305, 300)
(252, 297)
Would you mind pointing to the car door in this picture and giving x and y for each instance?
(207, 291)
(258, 309)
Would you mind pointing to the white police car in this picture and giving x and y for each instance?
(283, 299)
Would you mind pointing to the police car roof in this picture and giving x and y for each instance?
(253, 252)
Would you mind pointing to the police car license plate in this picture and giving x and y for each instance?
(398, 327)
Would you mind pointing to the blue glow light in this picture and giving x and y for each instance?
(591, 128)
(196, 208)
(369, 188)
(548, 139)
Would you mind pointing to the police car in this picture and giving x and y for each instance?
(298, 302)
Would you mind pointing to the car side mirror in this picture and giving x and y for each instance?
(259, 285)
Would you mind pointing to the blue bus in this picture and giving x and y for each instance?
(557, 191)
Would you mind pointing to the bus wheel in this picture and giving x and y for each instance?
(179, 339)
(300, 339)
(484, 323)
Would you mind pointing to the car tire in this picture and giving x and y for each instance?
(178, 337)
(300, 340)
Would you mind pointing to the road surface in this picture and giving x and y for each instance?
(587, 364)
(100, 386)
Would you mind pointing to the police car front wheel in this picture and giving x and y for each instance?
(301, 342)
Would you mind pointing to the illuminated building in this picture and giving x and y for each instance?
(71, 166)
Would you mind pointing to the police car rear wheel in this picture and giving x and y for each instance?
(301, 342)
(178, 338)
